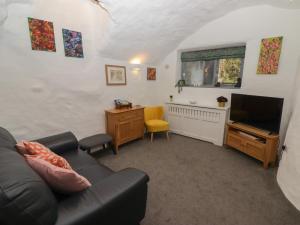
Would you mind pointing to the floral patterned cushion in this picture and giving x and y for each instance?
(42, 152)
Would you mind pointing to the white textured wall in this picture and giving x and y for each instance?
(43, 93)
(248, 25)
(288, 176)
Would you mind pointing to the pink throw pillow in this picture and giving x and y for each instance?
(60, 179)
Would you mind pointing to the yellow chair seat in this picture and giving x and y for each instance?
(157, 125)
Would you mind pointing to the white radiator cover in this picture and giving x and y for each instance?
(201, 122)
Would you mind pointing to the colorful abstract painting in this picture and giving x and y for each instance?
(270, 50)
(42, 35)
(151, 73)
(72, 43)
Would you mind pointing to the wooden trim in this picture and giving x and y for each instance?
(252, 130)
(124, 110)
(106, 73)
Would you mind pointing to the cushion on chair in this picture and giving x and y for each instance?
(157, 125)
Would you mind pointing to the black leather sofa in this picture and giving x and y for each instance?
(115, 198)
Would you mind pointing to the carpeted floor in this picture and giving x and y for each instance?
(197, 183)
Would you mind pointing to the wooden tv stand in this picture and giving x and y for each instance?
(254, 142)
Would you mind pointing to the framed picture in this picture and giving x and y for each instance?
(115, 75)
(270, 49)
(151, 73)
(72, 43)
(41, 35)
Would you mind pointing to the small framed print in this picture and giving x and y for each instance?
(115, 75)
(151, 73)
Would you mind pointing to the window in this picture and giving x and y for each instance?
(214, 67)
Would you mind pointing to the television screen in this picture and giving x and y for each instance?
(258, 111)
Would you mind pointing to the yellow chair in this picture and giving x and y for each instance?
(154, 120)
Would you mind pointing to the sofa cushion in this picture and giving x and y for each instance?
(87, 166)
(119, 199)
(79, 159)
(24, 196)
(95, 173)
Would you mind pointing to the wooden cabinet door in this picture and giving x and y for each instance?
(137, 127)
(124, 132)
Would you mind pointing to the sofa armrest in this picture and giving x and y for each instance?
(117, 199)
(60, 143)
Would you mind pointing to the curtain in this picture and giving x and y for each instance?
(212, 54)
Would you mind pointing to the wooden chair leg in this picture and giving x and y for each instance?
(167, 133)
(152, 137)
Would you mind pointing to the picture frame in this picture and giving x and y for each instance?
(72, 43)
(269, 56)
(115, 75)
(151, 73)
(41, 35)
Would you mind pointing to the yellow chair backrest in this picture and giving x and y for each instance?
(153, 113)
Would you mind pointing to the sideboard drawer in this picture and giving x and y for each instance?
(251, 147)
(130, 115)
(234, 141)
(140, 113)
(125, 116)
(254, 149)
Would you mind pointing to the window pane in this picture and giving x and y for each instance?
(229, 70)
(208, 72)
(199, 73)
(192, 73)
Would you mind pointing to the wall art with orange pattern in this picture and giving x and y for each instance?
(42, 35)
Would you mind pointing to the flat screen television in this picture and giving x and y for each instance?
(257, 111)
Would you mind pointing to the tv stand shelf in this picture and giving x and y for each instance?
(252, 141)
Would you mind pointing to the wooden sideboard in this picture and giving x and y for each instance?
(254, 142)
(125, 125)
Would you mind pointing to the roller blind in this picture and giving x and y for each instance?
(212, 54)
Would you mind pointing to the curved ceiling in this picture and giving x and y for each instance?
(152, 29)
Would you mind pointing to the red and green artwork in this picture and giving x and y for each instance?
(270, 50)
(42, 35)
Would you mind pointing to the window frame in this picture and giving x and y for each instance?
(216, 71)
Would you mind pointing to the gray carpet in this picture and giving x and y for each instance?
(197, 183)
